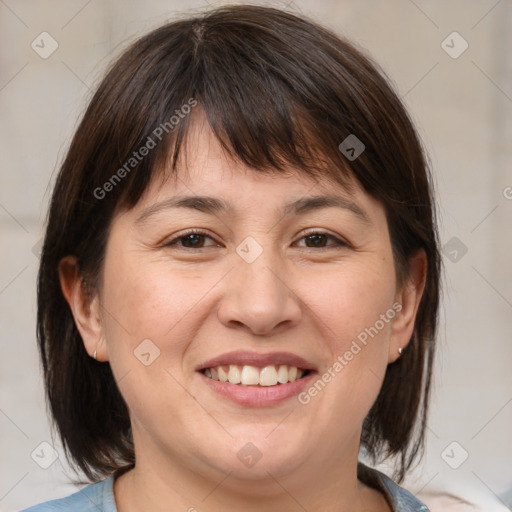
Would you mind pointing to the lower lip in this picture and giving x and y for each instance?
(258, 396)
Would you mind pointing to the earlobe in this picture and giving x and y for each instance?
(409, 297)
(85, 307)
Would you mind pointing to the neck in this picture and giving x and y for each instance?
(158, 483)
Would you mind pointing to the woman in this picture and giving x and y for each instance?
(239, 283)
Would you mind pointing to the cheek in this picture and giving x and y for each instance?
(349, 300)
(353, 312)
(151, 308)
(147, 299)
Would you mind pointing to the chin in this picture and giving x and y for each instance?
(254, 456)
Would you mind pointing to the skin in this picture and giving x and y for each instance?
(194, 304)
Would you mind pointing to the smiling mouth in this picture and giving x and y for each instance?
(247, 375)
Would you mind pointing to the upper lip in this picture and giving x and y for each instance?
(242, 358)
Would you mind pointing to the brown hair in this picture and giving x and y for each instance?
(278, 90)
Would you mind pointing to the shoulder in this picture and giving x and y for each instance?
(97, 497)
(400, 499)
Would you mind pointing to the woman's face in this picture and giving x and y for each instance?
(277, 277)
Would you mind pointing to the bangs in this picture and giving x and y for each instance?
(270, 116)
(287, 145)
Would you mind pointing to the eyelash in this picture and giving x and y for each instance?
(174, 242)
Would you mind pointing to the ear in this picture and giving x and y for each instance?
(85, 307)
(408, 297)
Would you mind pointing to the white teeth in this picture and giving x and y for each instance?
(268, 376)
(248, 375)
(223, 376)
(234, 374)
(282, 374)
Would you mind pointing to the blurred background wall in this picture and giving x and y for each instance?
(450, 61)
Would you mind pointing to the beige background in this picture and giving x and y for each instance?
(463, 108)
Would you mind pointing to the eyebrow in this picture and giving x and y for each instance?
(217, 206)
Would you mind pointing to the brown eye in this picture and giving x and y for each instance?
(193, 240)
(316, 240)
(321, 241)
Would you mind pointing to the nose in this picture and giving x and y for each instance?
(259, 298)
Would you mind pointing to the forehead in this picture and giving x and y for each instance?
(232, 190)
(207, 178)
(205, 166)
